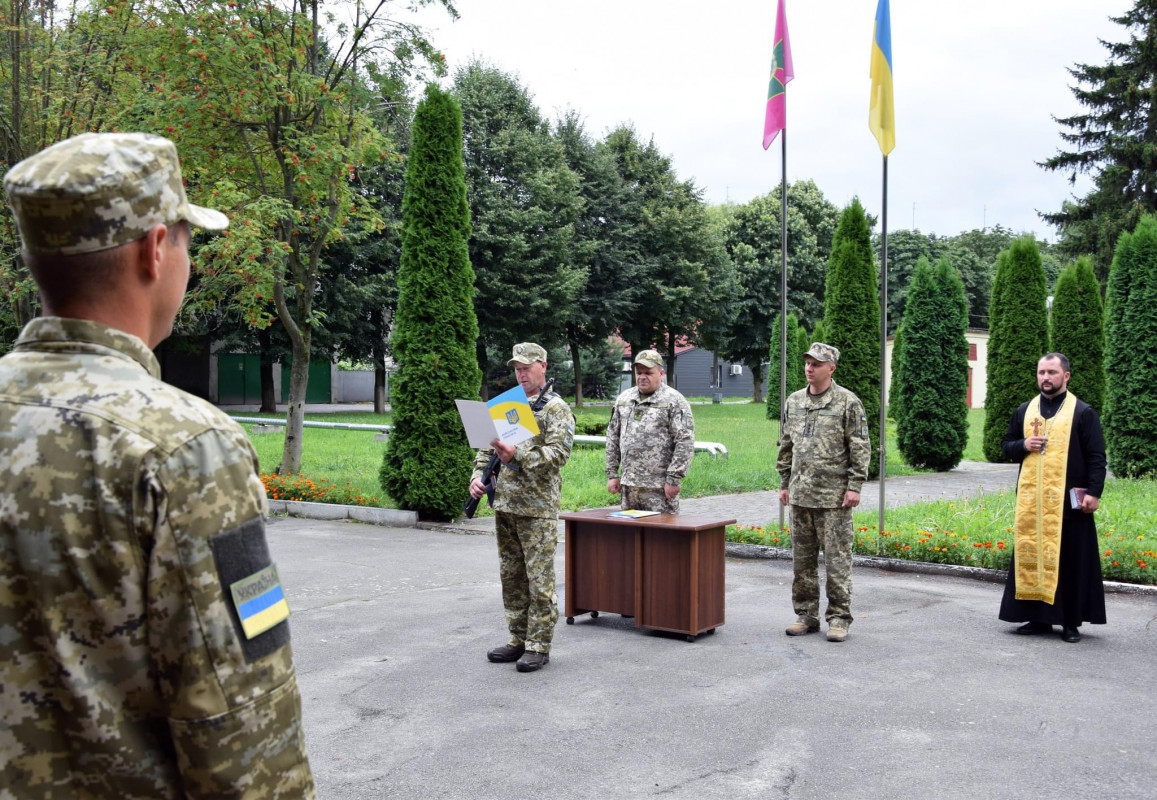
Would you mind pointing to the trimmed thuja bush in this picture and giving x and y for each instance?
(1077, 330)
(1131, 353)
(427, 463)
(795, 379)
(1018, 337)
(852, 317)
(933, 373)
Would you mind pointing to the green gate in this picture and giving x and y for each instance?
(238, 379)
(318, 390)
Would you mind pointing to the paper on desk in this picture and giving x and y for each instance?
(507, 417)
(632, 513)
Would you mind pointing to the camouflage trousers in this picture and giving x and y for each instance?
(830, 530)
(648, 500)
(526, 565)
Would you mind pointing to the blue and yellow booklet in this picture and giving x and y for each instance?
(507, 417)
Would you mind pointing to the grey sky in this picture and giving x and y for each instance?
(976, 86)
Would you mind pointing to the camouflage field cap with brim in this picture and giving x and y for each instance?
(649, 358)
(526, 353)
(100, 190)
(823, 352)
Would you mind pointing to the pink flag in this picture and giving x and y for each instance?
(775, 120)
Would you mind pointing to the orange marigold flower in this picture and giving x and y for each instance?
(1000, 545)
(1108, 552)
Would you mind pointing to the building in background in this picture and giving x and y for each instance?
(977, 366)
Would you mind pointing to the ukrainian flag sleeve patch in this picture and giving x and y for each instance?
(251, 589)
(260, 601)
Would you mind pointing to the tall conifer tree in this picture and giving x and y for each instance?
(794, 364)
(426, 466)
(1112, 140)
(1018, 337)
(852, 316)
(1131, 352)
(933, 429)
(1077, 326)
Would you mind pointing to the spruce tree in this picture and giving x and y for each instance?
(933, 429)
(794, 364)
(1018, 337)
(1131, 352)
(427, 462)
(1077, 327)
(852, 317)
(1112, 140)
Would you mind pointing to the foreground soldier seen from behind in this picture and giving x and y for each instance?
(823, 463)
(144, 642)
(526, 506)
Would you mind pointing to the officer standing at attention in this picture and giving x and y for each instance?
(823, 462)
(144, 642)
(526, 503)
(651, 436)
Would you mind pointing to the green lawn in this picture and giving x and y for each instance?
(354, 457)
(976, 531)
(971, 531)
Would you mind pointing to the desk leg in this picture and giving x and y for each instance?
(694, 594)
(568, 571)
(638, 577)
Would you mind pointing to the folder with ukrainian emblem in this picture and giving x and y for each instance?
(507, 417)
(260, 601)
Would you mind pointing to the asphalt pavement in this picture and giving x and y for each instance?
(930, 697)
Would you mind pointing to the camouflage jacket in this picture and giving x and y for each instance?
(823, 449)
(652, 437)
(128, 509)
(531, 484)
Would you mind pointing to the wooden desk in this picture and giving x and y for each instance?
(667, 571)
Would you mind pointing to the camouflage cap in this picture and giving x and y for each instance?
(649, 358)
(526, 353)
(823, 352)
(100, 190)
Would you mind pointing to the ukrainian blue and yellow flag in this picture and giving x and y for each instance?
(882, 108)
(260, 601)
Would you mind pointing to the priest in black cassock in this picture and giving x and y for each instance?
(1055, 575)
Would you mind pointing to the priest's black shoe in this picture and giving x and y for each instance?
(1034, 627)
(1070, 634)
(506, 653)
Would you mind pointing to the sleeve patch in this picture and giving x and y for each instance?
(256, 600)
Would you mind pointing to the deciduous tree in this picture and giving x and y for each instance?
(524, 204)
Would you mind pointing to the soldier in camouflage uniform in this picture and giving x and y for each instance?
(823, 462)
(144, 648)
(526, 505)
(651, 435)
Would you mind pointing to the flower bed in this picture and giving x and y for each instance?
(975, 533)
(299, 487)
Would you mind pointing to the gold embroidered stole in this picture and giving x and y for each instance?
(1040, 503)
